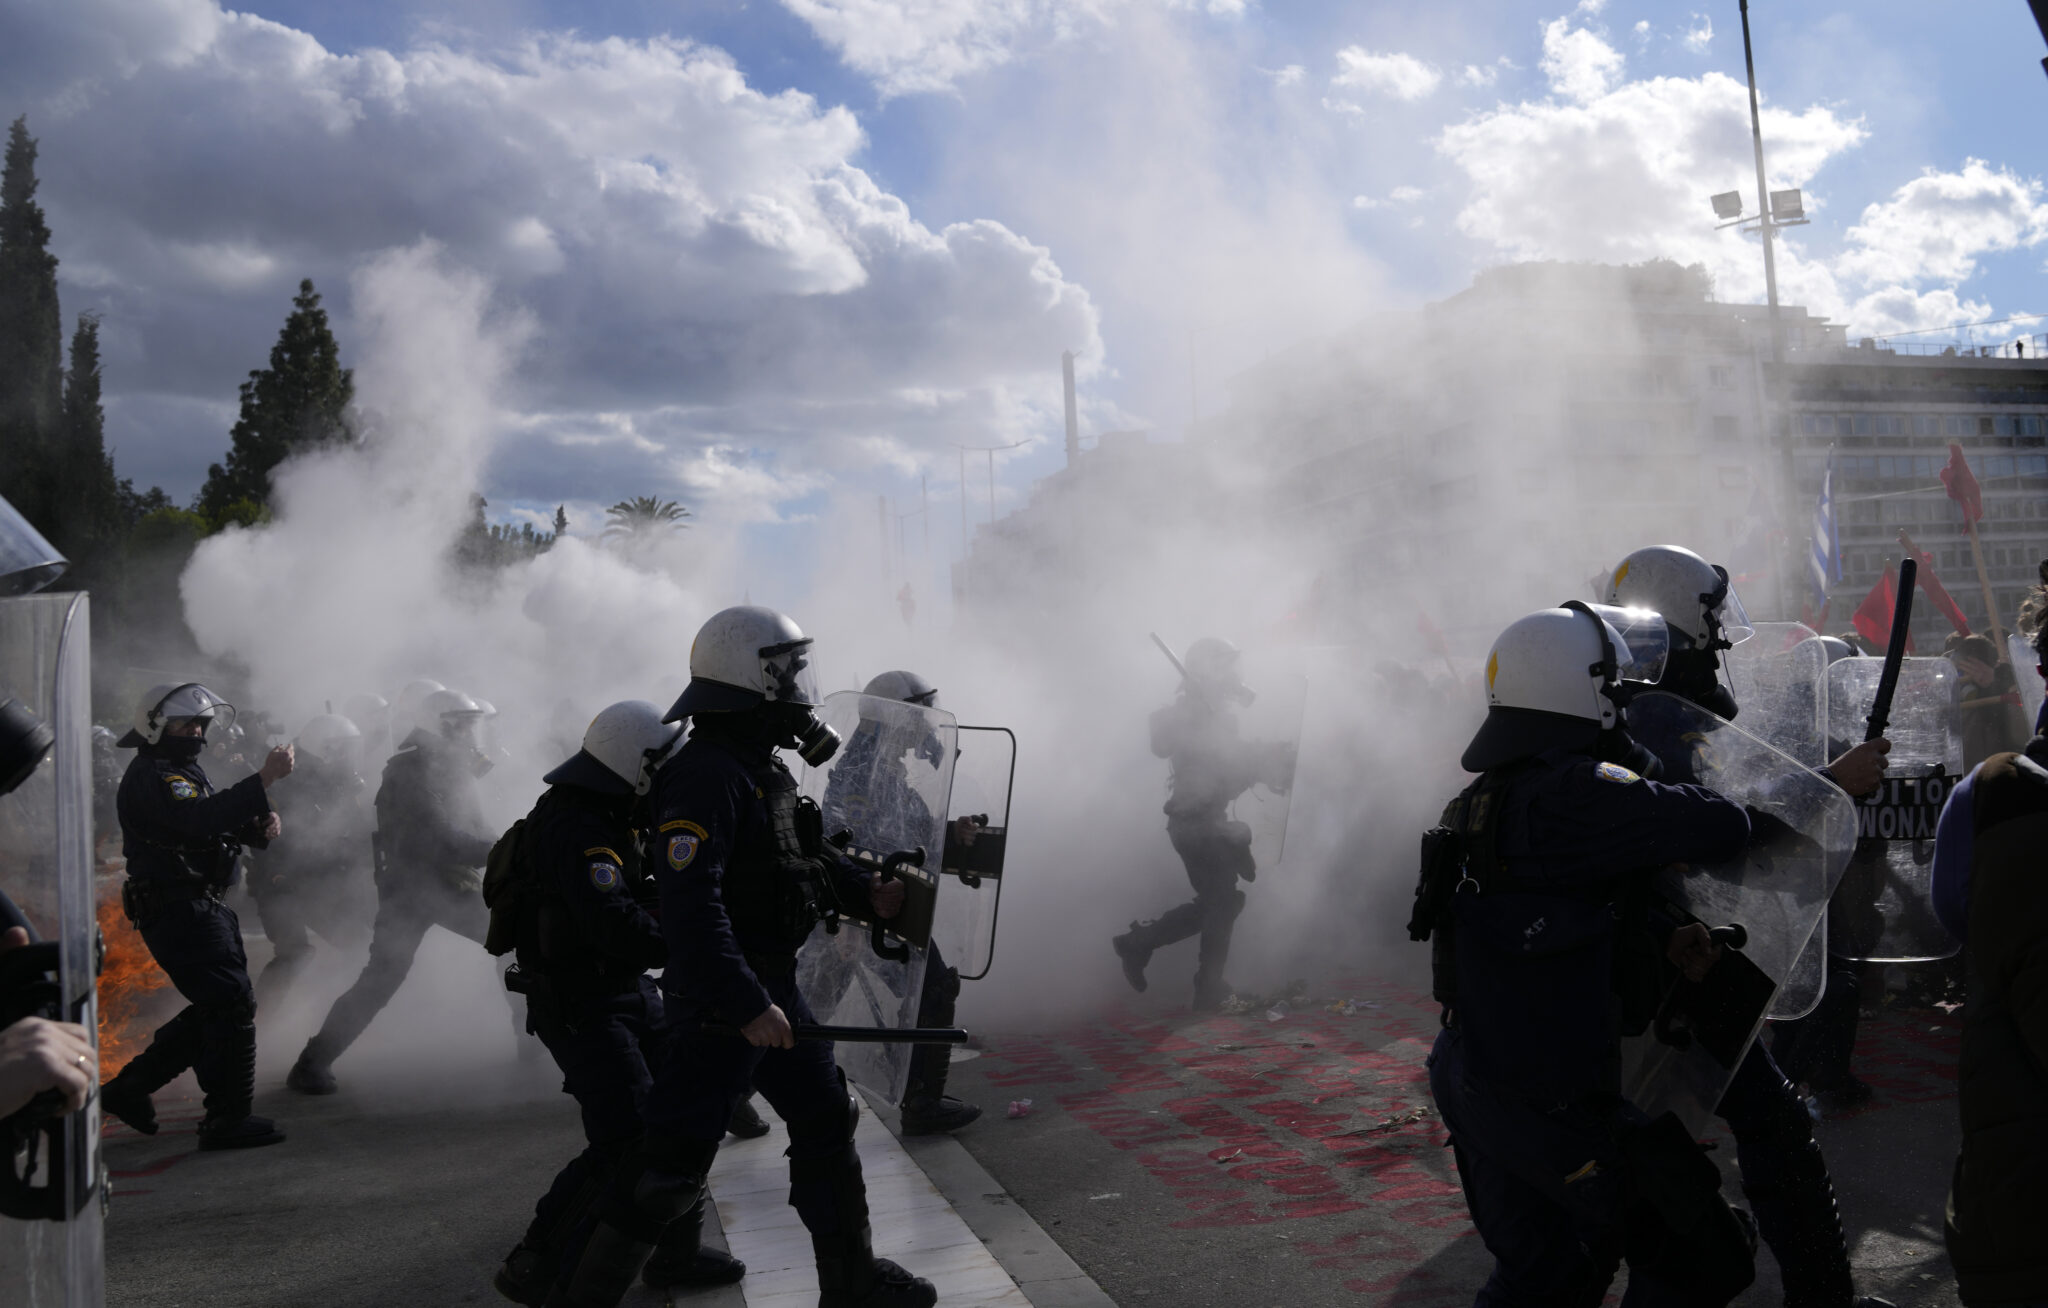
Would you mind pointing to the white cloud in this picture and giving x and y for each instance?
(1484, 74)
(1578, 63)
(1623, 175)
(702, 259)
(1365, 202)
(1405, 194)
(1642, 29)
(1700, 35)
(1291, 75)
(1402, 76)
(908, 47)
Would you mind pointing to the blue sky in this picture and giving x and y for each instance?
(895, 213)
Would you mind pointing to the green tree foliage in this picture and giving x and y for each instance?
(31, 331)
(82, 500)
(642, 522)
(487, 545)
(300, 401)
(561, 521)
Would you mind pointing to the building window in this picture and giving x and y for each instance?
(2030, 426)
(1721, 377)
(1724, 427)
(1986, 426)
(1927, 424)
(1954, 425)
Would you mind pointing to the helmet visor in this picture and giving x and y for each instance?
(1728, 614)
(786, 676)
(1642, 642)
(193, 700)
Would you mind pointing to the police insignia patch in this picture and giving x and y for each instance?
(1616, 773)
(604, 876)
(682, 848)
(182, 788)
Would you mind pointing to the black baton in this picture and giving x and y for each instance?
(1895, 652)
(869, 1035)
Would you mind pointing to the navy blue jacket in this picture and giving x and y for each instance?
(726, 898)
(1536, 955)
(430, 815)
(176, 828)
(589, 934)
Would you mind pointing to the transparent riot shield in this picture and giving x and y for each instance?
(977, 839)
(1802, 831)
(2026, 671)
(1780, 679)
(1884, 909)
(886, 792)
(53, 1189)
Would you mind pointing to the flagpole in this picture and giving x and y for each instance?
(1984, 584)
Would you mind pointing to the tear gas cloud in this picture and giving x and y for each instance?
(1489, 487)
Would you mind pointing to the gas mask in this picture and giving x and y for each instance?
(24, 740)
(1694, 674)
(796, 726)
(181, 749)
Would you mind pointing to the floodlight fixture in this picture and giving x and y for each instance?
(1787, 206)
(1728, 204)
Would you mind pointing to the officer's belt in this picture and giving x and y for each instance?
(144, 898)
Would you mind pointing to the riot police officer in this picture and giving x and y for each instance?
(430, 845)
(181, 839)
(585, 940)
(927, 1108)
(1784, 1175)
(307, 880)
(1531, 888)
(1211, 766)
(743, 870)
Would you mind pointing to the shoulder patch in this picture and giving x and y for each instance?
(684, 824)
(604, 876)
(682, 845)
(605, 850)
(182, 787)
(1616, 773)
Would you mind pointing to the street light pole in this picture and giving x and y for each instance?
(1763, 195)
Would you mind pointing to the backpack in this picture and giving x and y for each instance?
(508, 887)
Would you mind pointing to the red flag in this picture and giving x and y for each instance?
(1873, 617)
(1962, 484)
(1931, 584)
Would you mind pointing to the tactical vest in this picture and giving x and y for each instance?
(776, 879)
(1460, 855)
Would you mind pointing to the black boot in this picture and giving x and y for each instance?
(523, 1277)
(927, 1108)
(313, 1074)
(227, 1075)
(746, 1121)
(849, 1274)
(681, 1261)
(1785, 1178)
(171, 1050)
(1134, 954)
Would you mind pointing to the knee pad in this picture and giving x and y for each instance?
(947, 985)
(826, 1134)
(236, 1012)
(664, 1196)
(1235, 903)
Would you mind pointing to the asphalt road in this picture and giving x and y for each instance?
(1214, 1161)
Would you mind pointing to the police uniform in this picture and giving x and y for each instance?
(1784, 1174)
(181, 839)
(585, 942)
(739, 887)
(1211, 766)
(429, 817)
(311, 880)
(1543, 976)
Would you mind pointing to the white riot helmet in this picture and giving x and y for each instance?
(905, 686)
(332, 738)
(1559, 677)
(161, 704)
(1694, 596)
(623, 746)
(446, 709)
(406, 717)
(747, 657)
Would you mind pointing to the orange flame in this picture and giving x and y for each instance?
(128, 983)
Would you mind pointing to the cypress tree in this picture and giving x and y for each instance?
(84, 500)
(31, 333)
(299, 402)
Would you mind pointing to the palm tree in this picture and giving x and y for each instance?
(642, 521)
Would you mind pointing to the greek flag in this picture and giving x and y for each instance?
(1825, 565)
